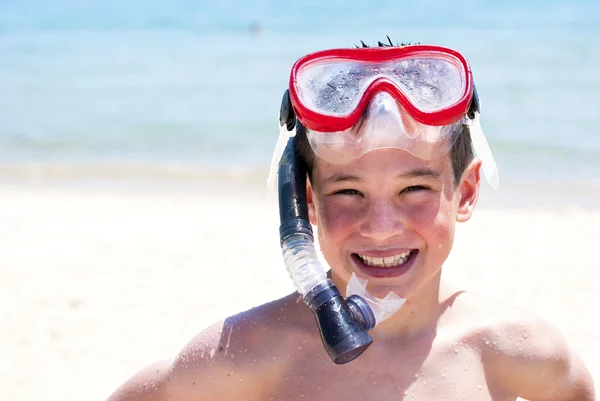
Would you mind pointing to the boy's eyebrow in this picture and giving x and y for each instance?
(416, 173)
(342, 177)
(421, 172)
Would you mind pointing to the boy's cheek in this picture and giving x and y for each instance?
(334, 215)
(438, 230)
(443, 238)
(334, 226)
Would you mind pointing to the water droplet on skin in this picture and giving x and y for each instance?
(525, 335)
(405, 392)
(480, 387)
(416, 375)
(456, 350)
(443, 375)
(487, 342)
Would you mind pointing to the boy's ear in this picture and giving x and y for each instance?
(468, 190)
(310, 203)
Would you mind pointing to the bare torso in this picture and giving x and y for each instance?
(274, 353)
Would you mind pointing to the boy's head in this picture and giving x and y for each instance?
(397, 118)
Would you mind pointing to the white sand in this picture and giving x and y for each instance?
(96, 283)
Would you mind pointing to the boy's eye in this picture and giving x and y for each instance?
(347, 192)
(415, 188)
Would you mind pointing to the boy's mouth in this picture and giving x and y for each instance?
(388, 266)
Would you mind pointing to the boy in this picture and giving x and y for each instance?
(386, 136)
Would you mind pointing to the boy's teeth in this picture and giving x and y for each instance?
(387, 261)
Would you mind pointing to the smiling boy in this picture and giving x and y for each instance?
(389, 177)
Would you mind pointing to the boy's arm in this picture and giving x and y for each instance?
(534, 361)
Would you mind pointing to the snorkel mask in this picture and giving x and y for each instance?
(352, 101)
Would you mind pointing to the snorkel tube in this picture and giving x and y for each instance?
(343, 323)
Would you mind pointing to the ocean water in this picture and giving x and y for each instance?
(197, 85)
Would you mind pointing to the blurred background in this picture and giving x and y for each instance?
(110, 89)
(135, 140)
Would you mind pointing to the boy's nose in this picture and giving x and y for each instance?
(382, 220)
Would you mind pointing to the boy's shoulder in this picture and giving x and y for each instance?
(519, 349)
(231, 355)
(497, 325)
(502, 329)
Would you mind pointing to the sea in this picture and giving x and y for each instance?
(99, 89)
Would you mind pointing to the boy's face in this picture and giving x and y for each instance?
(389, 217)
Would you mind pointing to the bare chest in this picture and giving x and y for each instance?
(444, 373)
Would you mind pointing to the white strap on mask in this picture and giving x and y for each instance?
(483, 151)
(284, 136)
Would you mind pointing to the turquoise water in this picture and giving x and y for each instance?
(199, 84)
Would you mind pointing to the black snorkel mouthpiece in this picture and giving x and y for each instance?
(343, 324)
(343, 335)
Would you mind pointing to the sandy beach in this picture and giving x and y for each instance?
(98, 281)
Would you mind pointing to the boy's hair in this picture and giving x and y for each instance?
(461, 152)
